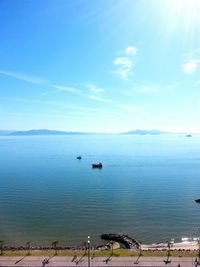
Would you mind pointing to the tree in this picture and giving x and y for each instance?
(85, 248)
(168, 246)
(1, 246)
(168, 252)
(111, 245)
(140, 248)
(28, 246)
(54, 245)
(140, 252)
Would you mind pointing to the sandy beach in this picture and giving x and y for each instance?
(185, 245)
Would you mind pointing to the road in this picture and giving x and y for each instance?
(58, 261)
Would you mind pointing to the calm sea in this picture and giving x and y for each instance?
(146, 188)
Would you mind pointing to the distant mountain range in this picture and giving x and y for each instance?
(54, 132)
(145, 132)
(44, 132)
(4, 132)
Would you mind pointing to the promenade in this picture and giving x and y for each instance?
(59, 261)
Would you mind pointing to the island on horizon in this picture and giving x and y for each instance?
(34, 132)
(58, 132)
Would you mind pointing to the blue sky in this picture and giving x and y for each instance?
(100, 66)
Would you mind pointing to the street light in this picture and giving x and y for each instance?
(88, 242)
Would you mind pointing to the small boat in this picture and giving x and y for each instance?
(188, 135)
(197, 200)
(97, 165)
(79, 157)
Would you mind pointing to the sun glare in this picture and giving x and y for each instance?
(186, 11)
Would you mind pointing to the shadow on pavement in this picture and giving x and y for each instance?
(20, 260)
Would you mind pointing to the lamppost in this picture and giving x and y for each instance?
(88, 242)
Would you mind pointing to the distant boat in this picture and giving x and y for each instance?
(188, 135)
(197, 200)
(79, 157)
(97, 165)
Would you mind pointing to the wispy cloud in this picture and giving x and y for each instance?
(94, 89)
(62, 105)
(65, 88)
(124, 64)
(101, 99)
(191, 66)
(96, 94)
(124, 67)
(24, 77)
(38, 80)
(131, 50)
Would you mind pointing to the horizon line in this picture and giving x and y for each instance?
(102, 132)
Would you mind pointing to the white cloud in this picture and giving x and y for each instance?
(191, 66)
(131, 50)
(124, 67)
(100, 99)
(24, 77)
(94, 89)
(65, 88)
(125, 63)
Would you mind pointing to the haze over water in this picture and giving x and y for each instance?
(146, 188)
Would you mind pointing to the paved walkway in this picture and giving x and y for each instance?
(58, 261)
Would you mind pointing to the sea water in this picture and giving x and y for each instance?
(146, 188)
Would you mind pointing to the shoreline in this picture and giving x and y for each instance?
(111, 243)
(185, 246)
